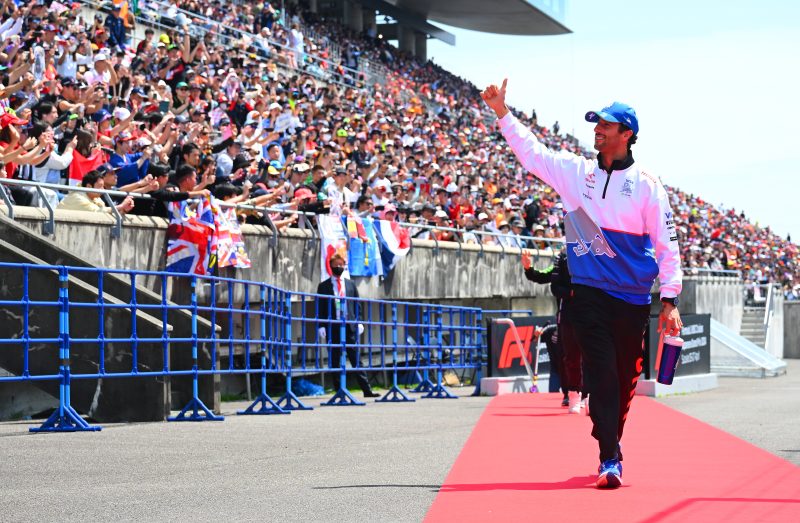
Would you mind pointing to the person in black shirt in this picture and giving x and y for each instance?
(557, 275)
(156, 205)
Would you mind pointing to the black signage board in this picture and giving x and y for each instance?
(696, 353)
(504, 354)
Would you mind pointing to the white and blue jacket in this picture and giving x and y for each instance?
(620, 230)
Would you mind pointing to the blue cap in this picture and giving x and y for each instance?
(101, 116)
(106, 168)
(617, 112)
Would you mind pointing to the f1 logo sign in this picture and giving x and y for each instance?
(511, 351)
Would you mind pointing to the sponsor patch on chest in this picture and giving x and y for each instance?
(627, 188)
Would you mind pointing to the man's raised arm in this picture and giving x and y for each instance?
(553, 169)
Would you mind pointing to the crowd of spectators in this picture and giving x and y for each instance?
(268, 112)
(717, 238)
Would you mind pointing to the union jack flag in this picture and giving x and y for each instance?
(191, 237)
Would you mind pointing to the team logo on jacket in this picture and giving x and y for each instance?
(586, 236)
(627, 188)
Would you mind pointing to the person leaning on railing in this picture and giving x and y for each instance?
(91, 201)
(161, 195)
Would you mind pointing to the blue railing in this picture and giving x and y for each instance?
(109, 324)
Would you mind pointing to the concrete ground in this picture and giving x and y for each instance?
(765, 412)
(381, 462)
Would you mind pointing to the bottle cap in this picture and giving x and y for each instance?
(675, 341)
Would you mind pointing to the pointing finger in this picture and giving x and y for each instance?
(503, 87)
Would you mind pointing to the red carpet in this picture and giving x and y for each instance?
(528, 460)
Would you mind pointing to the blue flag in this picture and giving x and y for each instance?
(363, 250)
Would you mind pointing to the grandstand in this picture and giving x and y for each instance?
(265, 96)
(441, 111)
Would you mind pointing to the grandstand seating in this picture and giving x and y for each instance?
(363, 106)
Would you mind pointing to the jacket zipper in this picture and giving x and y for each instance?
(608, 178)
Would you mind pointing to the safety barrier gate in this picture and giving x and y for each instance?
(61, 325)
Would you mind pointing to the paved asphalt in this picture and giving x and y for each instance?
(382, 462)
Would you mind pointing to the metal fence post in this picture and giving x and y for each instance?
(134, 332)
(64, 418)
(394, 394)
(439, 391)
(342, 397)
(479, 351)
(263, 399)
(26, 335)
(289, 400)
(195, 405)
(426, 385)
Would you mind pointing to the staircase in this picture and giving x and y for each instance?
(103, 400)
(753, 325)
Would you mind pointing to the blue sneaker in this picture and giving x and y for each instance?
(610, 474)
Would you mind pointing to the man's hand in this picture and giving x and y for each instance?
(496, 98)
(201, 193)
(208, 178)
(527, 260)
(30, 144)
(126, 205)
(669, 321)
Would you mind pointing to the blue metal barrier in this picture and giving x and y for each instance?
(263, 331)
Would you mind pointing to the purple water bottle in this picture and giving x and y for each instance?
(670, 354)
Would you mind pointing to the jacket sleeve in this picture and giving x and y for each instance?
(556, 170)
(660, 225)
(59, 162)
(323, 312)
(539, 276)
(164, 195)
(561, 286)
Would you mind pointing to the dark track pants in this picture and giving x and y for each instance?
(570, 368)
(610, 333)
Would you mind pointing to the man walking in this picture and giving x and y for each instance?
(620, 235)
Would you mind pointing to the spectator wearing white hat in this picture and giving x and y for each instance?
(539, 232)
(382, 189)
(470, 225)
(105, 132)
(441, 219)
(102, 72)
(517, 229)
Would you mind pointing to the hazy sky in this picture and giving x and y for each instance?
(715, 86)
